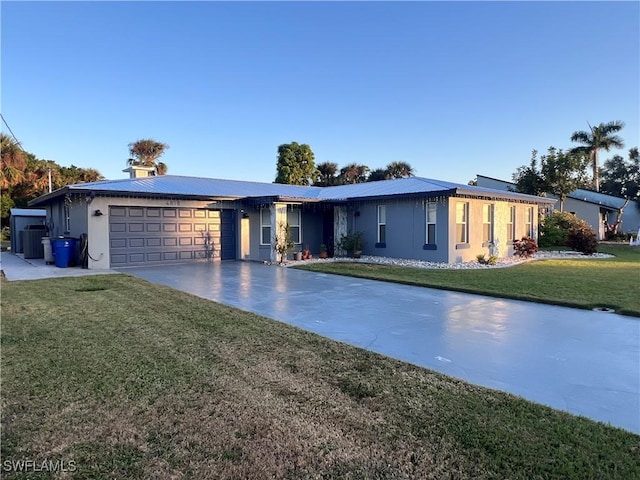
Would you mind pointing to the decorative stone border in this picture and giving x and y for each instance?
(474, 265)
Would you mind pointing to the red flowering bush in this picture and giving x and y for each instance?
(525, 247)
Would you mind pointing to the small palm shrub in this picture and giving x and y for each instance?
(525, 247)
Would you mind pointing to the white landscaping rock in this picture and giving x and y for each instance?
(474, 265)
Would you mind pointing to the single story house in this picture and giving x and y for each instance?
(147, 220)
(595, 208)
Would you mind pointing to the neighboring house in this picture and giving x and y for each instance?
(161, 219)
(593, 207)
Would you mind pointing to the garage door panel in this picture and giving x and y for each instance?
(118, 243)
(170, 256)
(143, 235)
(136, 258)
(136, 242)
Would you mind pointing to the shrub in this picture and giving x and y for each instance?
(492, 260)
(554, 229)
(351, 242)
(583, 239)
(525, 247)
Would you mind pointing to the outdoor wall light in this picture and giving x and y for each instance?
(97, 213)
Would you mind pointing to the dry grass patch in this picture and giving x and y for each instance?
(161, 384)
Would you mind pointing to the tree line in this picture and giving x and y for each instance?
(24, 177)
(296, 166)
(560, 172)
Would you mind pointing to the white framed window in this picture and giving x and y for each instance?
(382, 224)
(265, 226)
(462, 222)
(487, 223)
(295, 224)
(431, 223)
(511, 224)
(529, 222)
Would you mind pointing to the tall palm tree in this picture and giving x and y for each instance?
(146, 153)
(598, 138)
(13, 163)
(400, 170)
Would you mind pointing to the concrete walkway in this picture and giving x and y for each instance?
(16, 267)
(583, 362)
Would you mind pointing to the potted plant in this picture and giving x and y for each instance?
(352, 243)
(323, 251)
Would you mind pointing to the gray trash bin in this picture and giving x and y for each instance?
(32, 241)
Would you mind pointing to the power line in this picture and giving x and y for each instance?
(11, 131)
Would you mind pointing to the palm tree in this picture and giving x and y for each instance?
(354, 173)
(13, 162)
(146, 152)
(326, 174)
(378, 174)
(598, 138)
(400, 170)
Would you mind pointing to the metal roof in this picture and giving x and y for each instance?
(28, 212)
(590, 196)
(598, 198)
(211, 188)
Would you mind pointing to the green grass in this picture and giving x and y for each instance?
(583, 283)
(133, 380)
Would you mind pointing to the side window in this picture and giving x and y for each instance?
(487, 223)
(431, 223)
(529, 222)
(511, 224)
(462, 225)
(265, 226)
(382, 224)
(295, 224)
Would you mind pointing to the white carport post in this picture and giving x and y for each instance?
(339, 226)
(278, 218)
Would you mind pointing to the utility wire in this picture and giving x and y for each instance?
(10, 131)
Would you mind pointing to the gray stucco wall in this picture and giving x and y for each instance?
(405, 229)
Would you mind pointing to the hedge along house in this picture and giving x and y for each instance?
(150, 220)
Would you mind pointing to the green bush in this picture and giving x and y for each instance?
(554, 230)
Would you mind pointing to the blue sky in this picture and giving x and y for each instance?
(454, 88)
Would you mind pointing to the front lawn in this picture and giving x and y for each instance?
(132, 380)
(583, 282)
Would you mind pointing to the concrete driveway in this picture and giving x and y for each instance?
(583, 362)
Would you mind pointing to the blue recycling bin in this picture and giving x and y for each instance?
(63, 249)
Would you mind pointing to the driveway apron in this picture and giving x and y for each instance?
(583, 362)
